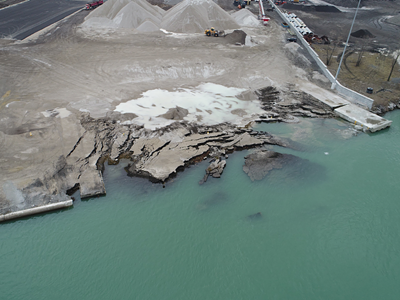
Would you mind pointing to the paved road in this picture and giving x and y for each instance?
(20, 21)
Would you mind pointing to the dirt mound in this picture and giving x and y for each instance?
(244, 17)
(362, 34)
(237, 36)
(193, 16)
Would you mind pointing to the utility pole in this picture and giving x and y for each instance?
(394, 63)
(345, 47)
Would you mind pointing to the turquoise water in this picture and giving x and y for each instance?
(330, 229)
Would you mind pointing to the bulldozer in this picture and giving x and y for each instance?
(211, 32)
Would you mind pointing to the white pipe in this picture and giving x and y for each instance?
(35, 210)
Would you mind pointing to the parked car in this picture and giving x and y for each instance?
(292, 39)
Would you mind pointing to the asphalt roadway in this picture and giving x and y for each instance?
(24, 19)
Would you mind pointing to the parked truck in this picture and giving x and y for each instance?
(93, 5)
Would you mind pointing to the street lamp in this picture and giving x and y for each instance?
(345, 46)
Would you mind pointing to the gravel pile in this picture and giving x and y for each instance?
(236, 37)
(137, 14)
(189, 16)
(246, 18)
(194, 16)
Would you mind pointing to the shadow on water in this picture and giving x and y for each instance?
(301, 171)
(254, 217)
(216, 199)
(294, 171)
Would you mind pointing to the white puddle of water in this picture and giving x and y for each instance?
(207, 104)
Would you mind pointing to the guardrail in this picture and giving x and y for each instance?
(352, 96)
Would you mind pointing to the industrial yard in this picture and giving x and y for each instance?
(130, 79)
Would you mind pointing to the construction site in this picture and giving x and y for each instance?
(163, 84)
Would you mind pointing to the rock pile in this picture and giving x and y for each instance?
(236, 37)
(189, 16)
(215, 169)
(246, 18)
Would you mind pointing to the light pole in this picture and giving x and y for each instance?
(345, 47)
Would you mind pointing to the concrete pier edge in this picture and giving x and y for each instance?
(35, 210)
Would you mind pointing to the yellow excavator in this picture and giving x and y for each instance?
(211, 32)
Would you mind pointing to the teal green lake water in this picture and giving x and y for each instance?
(330, 229)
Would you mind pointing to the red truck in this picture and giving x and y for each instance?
(94, 4)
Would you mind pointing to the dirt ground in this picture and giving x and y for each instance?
(49, 84)
(372, 71)
(377, 58)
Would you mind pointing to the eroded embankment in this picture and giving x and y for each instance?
(154, 154)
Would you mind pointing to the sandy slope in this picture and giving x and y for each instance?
(50, 87)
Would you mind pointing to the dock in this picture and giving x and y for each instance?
(345, 109)
(368, 121)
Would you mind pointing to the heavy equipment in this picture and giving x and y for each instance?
(261, 13)
(211, 32)
(93, 5)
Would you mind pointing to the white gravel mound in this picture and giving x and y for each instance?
(148, 26)
(133, 15)
(246, 18)
(160, 10)
(123, 14)
(194, 16)
(99, 22)
(189, 16)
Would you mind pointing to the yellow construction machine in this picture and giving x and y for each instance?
(211, 32)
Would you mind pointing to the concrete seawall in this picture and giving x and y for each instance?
(35, 210)
(352, 96)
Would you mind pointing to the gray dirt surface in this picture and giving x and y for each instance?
(59, 90)
(374, 16)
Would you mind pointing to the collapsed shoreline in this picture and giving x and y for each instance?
(78, 134)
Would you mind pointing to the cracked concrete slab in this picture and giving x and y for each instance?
(356, 115)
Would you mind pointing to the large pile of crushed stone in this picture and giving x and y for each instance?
(189, 16)
(246, 18)
(193, 16)
(363, 34)
(138, 14)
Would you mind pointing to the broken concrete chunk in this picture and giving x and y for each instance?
(91, 183)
